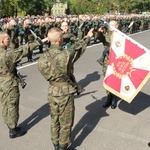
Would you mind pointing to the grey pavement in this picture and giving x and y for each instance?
(125, 128)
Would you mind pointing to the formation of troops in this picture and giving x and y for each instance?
(58, 33)
(19, 28)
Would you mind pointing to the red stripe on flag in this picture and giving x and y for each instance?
(133, 50)
(138, 76)
(113, 82)
(112, 56)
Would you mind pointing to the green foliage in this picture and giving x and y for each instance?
(33, 7)
(105, 6)
(40, 7)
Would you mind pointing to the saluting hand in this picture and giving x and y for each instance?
(90, 33)
(45, 40)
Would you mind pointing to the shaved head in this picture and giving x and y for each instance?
(54, 34)
(4, 39)
(114, 23)
(3, 35)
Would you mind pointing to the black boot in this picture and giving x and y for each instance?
(108, 101)
(16, 132)
(149, 144)
(114, 102)
(17, 128)
(63, 148)
(56, 147)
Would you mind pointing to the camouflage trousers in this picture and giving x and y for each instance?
(105, 64)
(10, 106)
(62, 117)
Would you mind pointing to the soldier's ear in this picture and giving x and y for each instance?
(60, 40)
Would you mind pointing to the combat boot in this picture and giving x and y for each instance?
(16, 132)
(108, 101)
(17, 128)
(56, 147)
(114, 102)
(63, 148)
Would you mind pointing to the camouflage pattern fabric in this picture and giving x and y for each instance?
(62, 116)
(13, 32)
(9, 90)
(60, 93)
(68, 40)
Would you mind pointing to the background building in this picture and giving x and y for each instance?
(59, 8)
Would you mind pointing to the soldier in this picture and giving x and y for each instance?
(68, 37)
(73, 25)
(96, 28)
(80, 32)
(13, 32)
(21, 32)
(29, 37)
(4, 27)
(56, 65)
(111, 99)
(9, 88)
(68, 40)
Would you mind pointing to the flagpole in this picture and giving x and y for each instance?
(127, 37)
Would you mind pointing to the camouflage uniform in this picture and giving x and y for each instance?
(29, 38)
(96, 27)
(68, 40)
(60, 92)
(80, 31)
(106, 45)
(9, 90)
(13, 32)
(21, 33)
(111, 98)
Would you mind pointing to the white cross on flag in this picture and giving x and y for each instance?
(128, 67)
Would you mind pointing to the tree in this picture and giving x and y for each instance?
(32, 6)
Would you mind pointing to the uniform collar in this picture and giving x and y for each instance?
(55, 46)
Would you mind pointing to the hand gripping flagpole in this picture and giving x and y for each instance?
(124, 35)
(128, 70)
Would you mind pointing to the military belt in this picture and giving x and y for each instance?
(58, 83)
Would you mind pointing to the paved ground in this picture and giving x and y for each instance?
(95, 128)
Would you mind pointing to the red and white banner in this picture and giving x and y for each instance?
(128, 67)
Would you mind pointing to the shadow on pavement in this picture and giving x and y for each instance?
(36, 117)
(88, 122)
(89, 78)
(140, 103)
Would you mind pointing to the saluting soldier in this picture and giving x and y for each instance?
(21, 32)
(111, 98)
(13, 32)
(56, 65)
(29, 37)
(9, 83)
(42, 32)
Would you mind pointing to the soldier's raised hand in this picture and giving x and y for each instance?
(90, 33)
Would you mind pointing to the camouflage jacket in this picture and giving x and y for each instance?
(8, 61)
(68, 40)
(64, 59)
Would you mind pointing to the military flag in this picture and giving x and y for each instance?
(128, 67)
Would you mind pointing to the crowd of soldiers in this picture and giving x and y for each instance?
(19, 28)
(62, 83)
